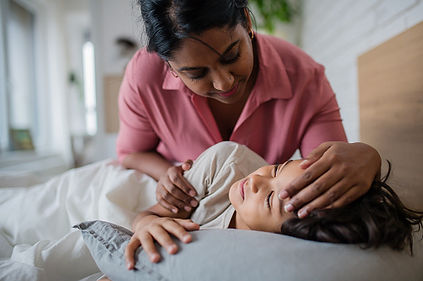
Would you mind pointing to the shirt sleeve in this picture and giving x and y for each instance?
(135, 130)
(326, 122)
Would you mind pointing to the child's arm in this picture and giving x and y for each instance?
(155, 224)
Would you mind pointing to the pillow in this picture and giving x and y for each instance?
(230, 254)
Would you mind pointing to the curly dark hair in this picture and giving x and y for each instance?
(167, 22)
(375, 219)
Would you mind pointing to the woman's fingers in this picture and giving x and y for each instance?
(310, 175)
(352, 194)
(333, 194)
(175, 190)
(177, 178)
(315, 190)
(333, 170)
(167, 200)
(315, 155)
(187, 165)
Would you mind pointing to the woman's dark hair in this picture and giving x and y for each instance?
(377, 218)
(168, 21)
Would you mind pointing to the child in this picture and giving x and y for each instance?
(238, 189)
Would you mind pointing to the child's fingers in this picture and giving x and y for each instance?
(149, 247)
(130, 249)
(175, 228)
(188, 224)
(161, 235)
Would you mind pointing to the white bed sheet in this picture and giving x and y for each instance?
(37, 241)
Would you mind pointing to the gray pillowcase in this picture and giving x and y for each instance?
(231, 254)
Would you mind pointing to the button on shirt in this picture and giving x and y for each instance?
(291, 106)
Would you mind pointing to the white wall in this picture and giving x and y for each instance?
(335, 33)
(118, 19)
(110, 19)
(56, 79)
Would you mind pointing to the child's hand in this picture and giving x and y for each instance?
(154, 228)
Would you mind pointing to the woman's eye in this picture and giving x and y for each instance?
(197, 76)
(231, 59)
(268, 199)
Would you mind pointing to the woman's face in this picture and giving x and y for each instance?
(216, 64)
(255, 198)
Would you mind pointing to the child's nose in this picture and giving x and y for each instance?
(256, 183)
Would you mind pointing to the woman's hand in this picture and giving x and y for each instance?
(174, 192)
(154, 228)
(336, 173)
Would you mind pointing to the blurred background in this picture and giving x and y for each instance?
(62, 61)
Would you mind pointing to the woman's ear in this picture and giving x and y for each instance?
(248, 17)
(249, 23)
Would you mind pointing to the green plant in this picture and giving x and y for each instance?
(271, 10)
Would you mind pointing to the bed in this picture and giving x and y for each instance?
(37, 241)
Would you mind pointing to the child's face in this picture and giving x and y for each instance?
(255, 198)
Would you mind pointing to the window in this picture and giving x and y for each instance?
(36, 103)
(19, 119)
(47, 83)
(89, 88)
(4, 135)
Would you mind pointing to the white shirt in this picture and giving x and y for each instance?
(213, 174)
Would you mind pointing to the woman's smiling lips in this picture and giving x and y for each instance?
(229, 93)
(241, 188)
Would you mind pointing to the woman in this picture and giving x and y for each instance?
(206, 77)
(233, 195)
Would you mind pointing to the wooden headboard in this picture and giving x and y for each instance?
(391, 109)
(111, 85)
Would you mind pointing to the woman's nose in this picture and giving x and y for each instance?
(223, 81)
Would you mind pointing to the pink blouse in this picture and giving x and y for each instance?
(291, 106)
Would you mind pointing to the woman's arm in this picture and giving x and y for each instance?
(155, 224)
(173, 191)
(150, 163)
(137, 140)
